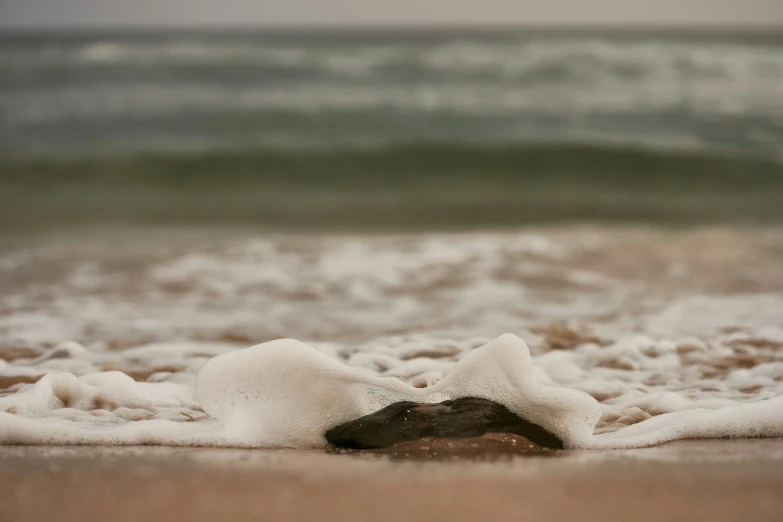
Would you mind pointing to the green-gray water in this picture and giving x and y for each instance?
(392, 129)
(401, 187)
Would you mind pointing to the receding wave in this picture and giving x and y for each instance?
(399, 186)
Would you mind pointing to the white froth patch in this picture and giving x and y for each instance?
(286, 393)
(708, 314)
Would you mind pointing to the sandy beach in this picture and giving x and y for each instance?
(458, 267)
(492, 479)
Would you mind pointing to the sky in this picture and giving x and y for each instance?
(18, 14)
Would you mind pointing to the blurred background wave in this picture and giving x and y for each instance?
(391, 128)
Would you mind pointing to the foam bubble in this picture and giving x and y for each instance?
(285, 393)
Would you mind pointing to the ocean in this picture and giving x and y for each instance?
(396, 200)
(525, 126)
(104, 93)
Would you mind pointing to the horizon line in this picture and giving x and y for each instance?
(364, 28)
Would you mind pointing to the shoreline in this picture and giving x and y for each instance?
(686, 480)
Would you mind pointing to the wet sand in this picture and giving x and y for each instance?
(115, 300)
(492, 478)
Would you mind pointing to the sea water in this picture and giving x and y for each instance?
(100, 93)
(618, 338)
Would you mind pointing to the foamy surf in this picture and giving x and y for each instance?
(286, 393)
(628, 339)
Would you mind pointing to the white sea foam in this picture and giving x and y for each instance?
(635, 338)
(286, 393)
